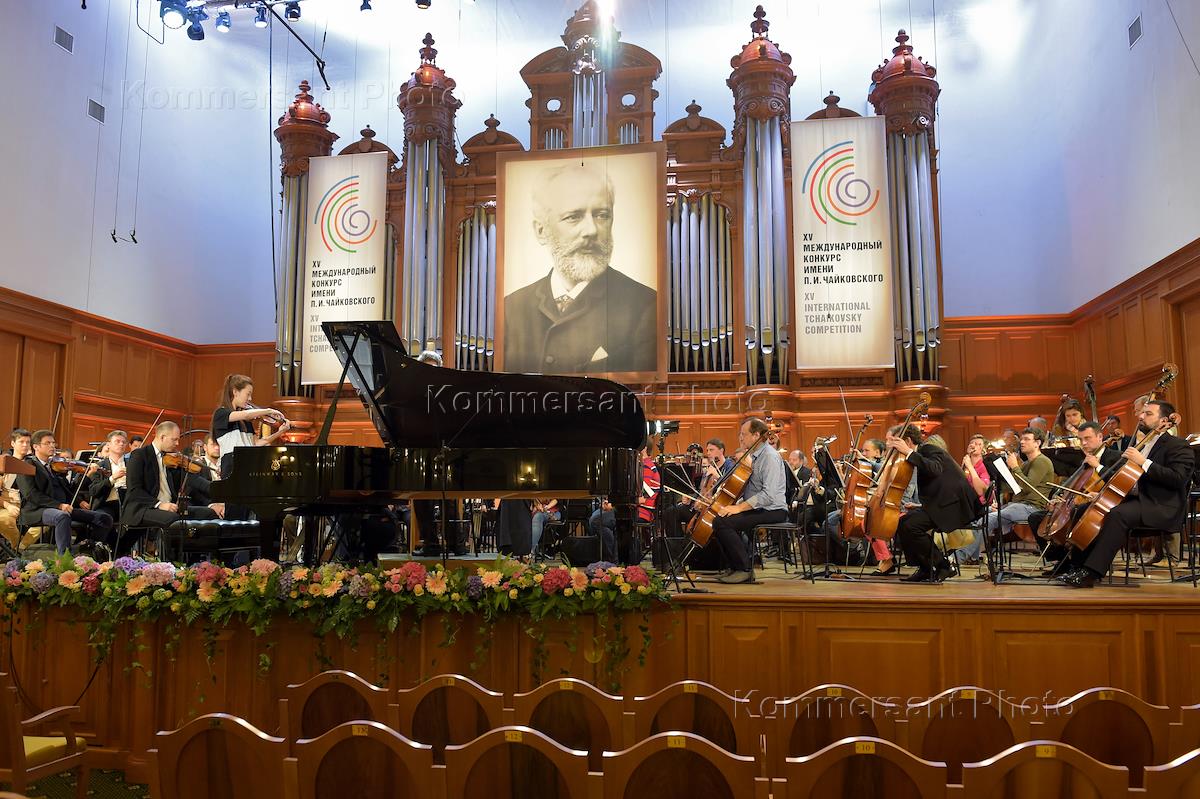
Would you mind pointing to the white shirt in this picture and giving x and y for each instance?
(558, 287)
(118, 482)
(164, 486)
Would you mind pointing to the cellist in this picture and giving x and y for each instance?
(1158, 500)
(763, 500)
(947, 503)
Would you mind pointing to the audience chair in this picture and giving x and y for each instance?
(1044, 770)
(809, 722)
(40, 746)
(1180, 777)
(217, 755)
(515, 763)
(728, 722)
(1113, 726)
(366, 756)
(314, 707)
(448, 709)
(863, 768)
(965, 725)
(681, 765)
(574, 713)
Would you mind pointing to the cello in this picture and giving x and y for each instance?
(857, 491)
(884, 507)
(1123, 479)
(726, 492)
(1084, 481)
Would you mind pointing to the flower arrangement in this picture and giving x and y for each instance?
(333, 598)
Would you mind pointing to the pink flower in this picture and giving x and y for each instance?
(91, 584)
(555, 580)
(414, 574)
(69, 579)
(636, 575)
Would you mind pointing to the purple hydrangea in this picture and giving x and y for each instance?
(43, 582)
(598, 568)
(358, 587)
(158, 573)
(286, 582)
(14, 567)
(128, 565)
(474, 586)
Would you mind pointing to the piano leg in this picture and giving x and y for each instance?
(625, 514)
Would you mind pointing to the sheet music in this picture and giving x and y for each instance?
(1004, 471)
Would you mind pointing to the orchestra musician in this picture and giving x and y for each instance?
(543, 511)
(212, 458)
(763, 501)
(136, 441)
(153, 488)
(975, 470)
(1035, 476)
(46, 498)
(231, 422)
(10, 500)
(1158, 500)
(947, 503)
(798, 463)
(107, 492)
(715, 466)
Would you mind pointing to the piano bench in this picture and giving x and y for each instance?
(210, 537)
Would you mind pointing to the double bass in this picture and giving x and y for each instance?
(1123, 479)
(857, 491)
(884, 509)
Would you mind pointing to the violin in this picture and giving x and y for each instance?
(60, 465)
(275, 419)
(177, 460)
(1123, 479)
(886, 504)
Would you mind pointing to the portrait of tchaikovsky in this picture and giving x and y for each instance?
(585, 315)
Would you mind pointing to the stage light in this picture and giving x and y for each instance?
(424, 3)
(366, 5)
(292, 12)
(260, 18)
(172, 13)
(223, 22)
(196, 31)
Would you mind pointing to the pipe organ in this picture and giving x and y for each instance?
(730, 286)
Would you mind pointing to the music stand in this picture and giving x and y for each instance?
(998, 568)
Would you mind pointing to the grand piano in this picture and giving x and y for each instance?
(447, 433)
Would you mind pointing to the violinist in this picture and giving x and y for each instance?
(10, 498)
(152, 497)
(1066, 425)
(763, 500)
(231, 422)
(1158, 500)
(107, 491)
(212, 458)
(47, 499)
(947, 503)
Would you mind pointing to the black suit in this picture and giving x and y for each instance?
(142, 480)
(610, 327)
(1160, 503)
(947, 503)
(41, 495)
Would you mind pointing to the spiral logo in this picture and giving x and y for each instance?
(834, 193)
(342, 222)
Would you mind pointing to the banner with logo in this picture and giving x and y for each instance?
(841, 225)
(344, 263)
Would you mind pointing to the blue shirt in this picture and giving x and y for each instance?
(767, 487)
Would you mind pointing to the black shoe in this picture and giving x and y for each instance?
(919, 576)
(461, 552)
(942, 573)
(888, 573)
(1079, 578)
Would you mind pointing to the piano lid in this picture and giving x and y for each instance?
(417, 405)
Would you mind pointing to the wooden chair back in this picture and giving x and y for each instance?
(1113, 726)
(12, 746)
(864, 768)
(680, 765)
(514, 763)
(1180, 777)
(576, 714)
(375, 760)
(1044, 770)
(448, 709)
(218, 755)
(731, 723)
(804, 724)
(315, 706)
(965, 725)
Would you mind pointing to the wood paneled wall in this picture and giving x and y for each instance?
(999, 371)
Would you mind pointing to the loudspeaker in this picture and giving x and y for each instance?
(580, 550)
